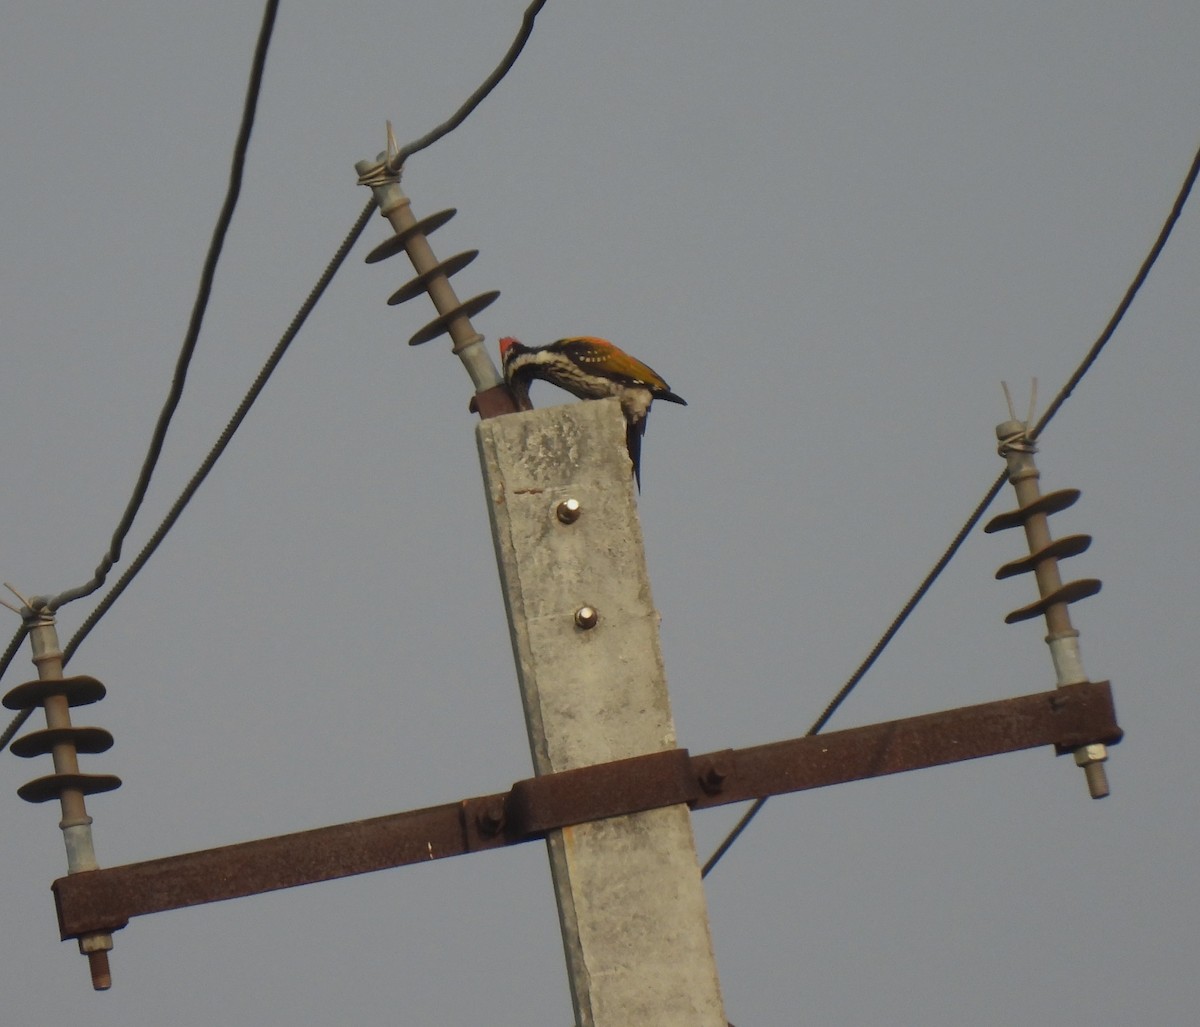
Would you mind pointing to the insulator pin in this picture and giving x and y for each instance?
(1059, 549)
(448, 267)
(77, 691)
(1050, 503)
(52, 786)
(1054, 596)
(440, 325)
(85, 739)
(434, 277)
(1066, 594)
(64, 741)
(396, 244)
(1048, 552)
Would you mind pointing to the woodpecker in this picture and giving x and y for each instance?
(590, 368)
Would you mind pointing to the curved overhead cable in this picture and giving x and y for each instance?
(264, 374)
(993, 490)
(208, 272)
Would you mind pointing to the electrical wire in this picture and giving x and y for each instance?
(205, 467)
(13, 648)
(226, 436)
(215, 246)
(186, 351)
(460, 115)
(302, 314)
(1126, 300)
(994, 490)
(396, 161)
(872, 656)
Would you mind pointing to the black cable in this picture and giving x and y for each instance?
(265, 373)
(872, 656)
(12, 650)
(210, 460)
(1126, 300)
(396, 160)
(281, 347)
(226, 436)
(1084, 366)
(188, 348)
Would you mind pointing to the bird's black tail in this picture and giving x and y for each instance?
(634, 430)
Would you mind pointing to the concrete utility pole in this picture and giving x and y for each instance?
(613, 792)
(585, 636)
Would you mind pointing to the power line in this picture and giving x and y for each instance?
(1084, 366)
(186, 351)
(264, 374)
(207, 465)
(14, 647)
(1126, 300)
(226, 436)
(396, 161)
(188, 348)
(872, 656)
(293, 329)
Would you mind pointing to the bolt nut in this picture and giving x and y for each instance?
(712, 777)
(491, 819)
(587, 617)
(568, 511)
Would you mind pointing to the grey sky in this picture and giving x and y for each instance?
(834, 229)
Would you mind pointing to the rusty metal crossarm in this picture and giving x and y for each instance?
(1063, 718)
(106, 899)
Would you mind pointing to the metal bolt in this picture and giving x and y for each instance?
(568, 511)
(712, 777)
(1091, 758)
(101, 974)
(491, 819)
(587, 617)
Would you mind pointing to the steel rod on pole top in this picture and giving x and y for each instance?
(1032, 513)
(433, 277)
(64, 741)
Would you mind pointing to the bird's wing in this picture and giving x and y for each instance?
(604, 357)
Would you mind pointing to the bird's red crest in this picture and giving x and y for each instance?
(507, 343)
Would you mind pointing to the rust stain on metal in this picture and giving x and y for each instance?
(105, 900)
(542, 804)
(1065, 718)
(114, 895)
(494, 402)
